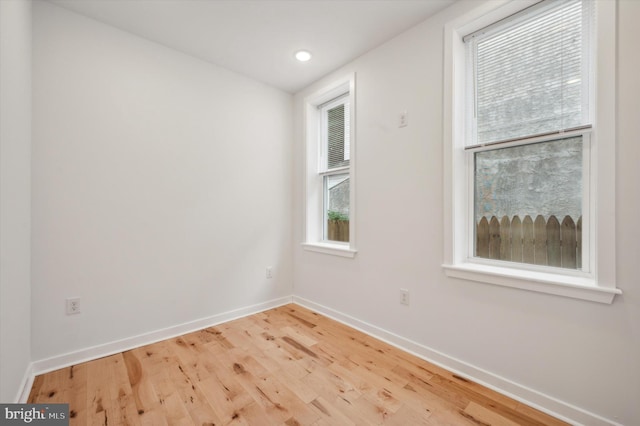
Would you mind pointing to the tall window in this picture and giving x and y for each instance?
(334, 168)
(530, 147)
(329, 137)
(529, 123)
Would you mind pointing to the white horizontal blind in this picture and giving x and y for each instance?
(338, 135)
(529, 76)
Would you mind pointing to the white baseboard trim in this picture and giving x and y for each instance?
(545, 403)
(25, 385)
(106, 349)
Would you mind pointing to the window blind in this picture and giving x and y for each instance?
(529, 75)
(338, 146)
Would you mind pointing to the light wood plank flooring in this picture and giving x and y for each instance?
(286, 366)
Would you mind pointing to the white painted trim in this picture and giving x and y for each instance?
(541, 282)
(538, 400)
(334, 249)
(25, 385)
(106, 349)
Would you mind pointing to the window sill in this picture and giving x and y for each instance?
(332, 249)
(542, 282)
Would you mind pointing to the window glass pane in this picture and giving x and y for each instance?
(337, 207)
(528, 203)
(529, 75)
(338, 136)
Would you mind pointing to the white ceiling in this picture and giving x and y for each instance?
(258, 38)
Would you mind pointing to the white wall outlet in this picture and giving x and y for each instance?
(403, 119)
(73, 306)
(404, 296)
(269, 272)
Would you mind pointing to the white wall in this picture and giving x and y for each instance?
(15, 200)
(161, 186)
(541, 347)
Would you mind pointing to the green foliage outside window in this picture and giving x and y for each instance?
(334, 215)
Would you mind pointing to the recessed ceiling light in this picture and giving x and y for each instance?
(303, 55)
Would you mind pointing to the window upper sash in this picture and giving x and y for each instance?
(529, 75)
(335, 127)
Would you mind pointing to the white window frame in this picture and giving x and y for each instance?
(315, 170)
(598, 284)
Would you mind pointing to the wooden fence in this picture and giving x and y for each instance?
(538, 242)
(338, 230)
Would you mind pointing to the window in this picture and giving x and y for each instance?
(528, 79)
(330, 147)
(525, 141)
(334, 168)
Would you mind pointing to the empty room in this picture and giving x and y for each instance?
(319, 212)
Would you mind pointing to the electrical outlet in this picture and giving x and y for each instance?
(404, 296)
(73, 306)
(269, 273)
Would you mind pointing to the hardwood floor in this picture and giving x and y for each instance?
(286, 366)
